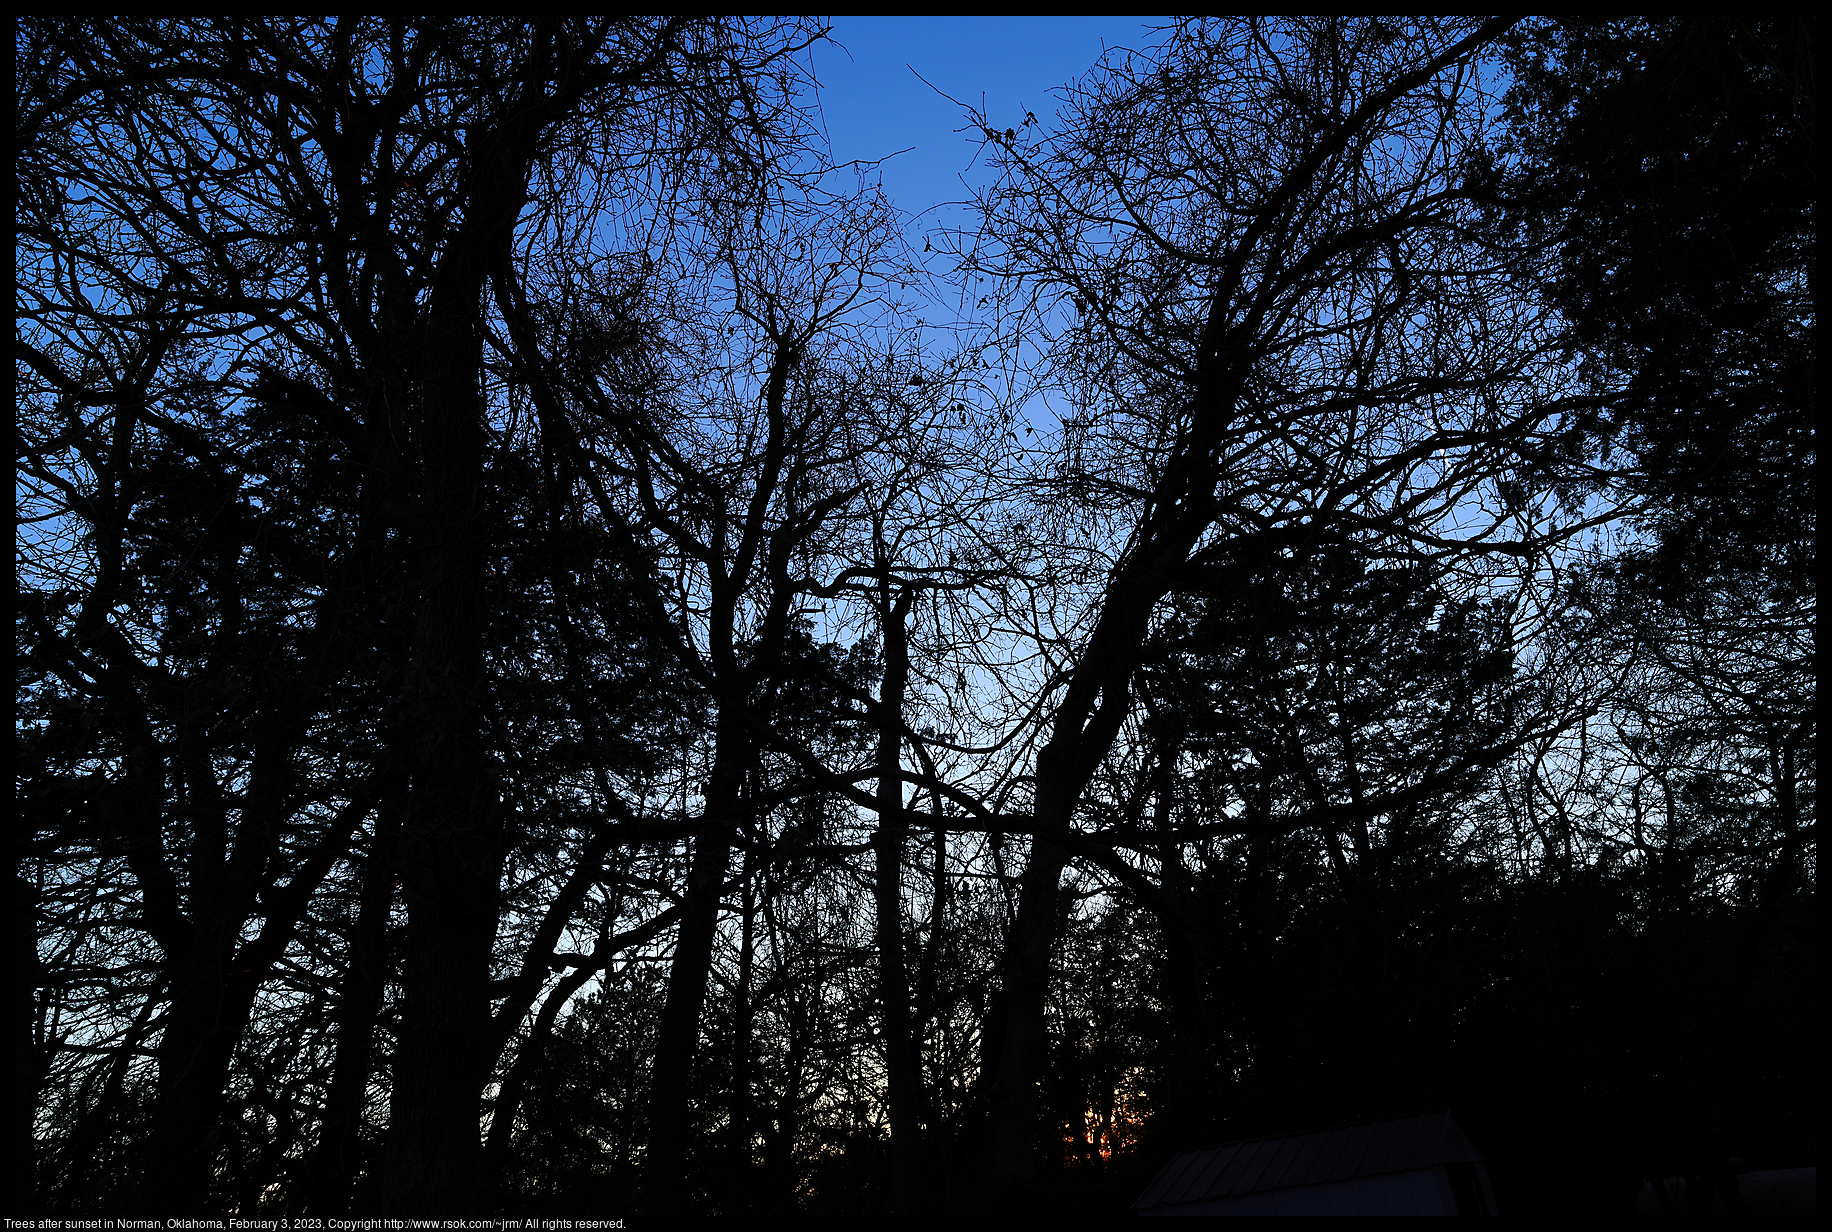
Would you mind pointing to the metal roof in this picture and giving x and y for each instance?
(1407, 1144)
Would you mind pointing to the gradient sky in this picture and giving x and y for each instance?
(874, 105)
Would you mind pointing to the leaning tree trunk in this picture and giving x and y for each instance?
(1087, 721)
(1011, 1129)
(665, 1187)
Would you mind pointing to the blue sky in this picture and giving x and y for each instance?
(874, 105)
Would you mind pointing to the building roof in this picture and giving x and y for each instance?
(1407, 1144)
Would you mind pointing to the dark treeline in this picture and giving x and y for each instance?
(570, 666)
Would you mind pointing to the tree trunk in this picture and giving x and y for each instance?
(744, 1014)
(1011, 1130)
(904, 1092)
(211, 1004)
(339, 1153)
(665, 1188)
(1087, 722)
(932, 951)
(27, 975)
(1187, 1094)
(527, 1064)
(450, 856)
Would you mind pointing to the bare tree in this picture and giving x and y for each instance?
(321, 206)
(522, 621)
(1285, 321)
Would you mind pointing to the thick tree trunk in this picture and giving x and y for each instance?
(450, 854)
(1011, 1131)
(450, 865)
(435, 1149)
(212, 1001)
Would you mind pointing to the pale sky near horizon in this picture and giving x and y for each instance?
(874, 105)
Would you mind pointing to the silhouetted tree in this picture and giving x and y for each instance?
(1289, 322)
(547, 689)
(325, 202)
